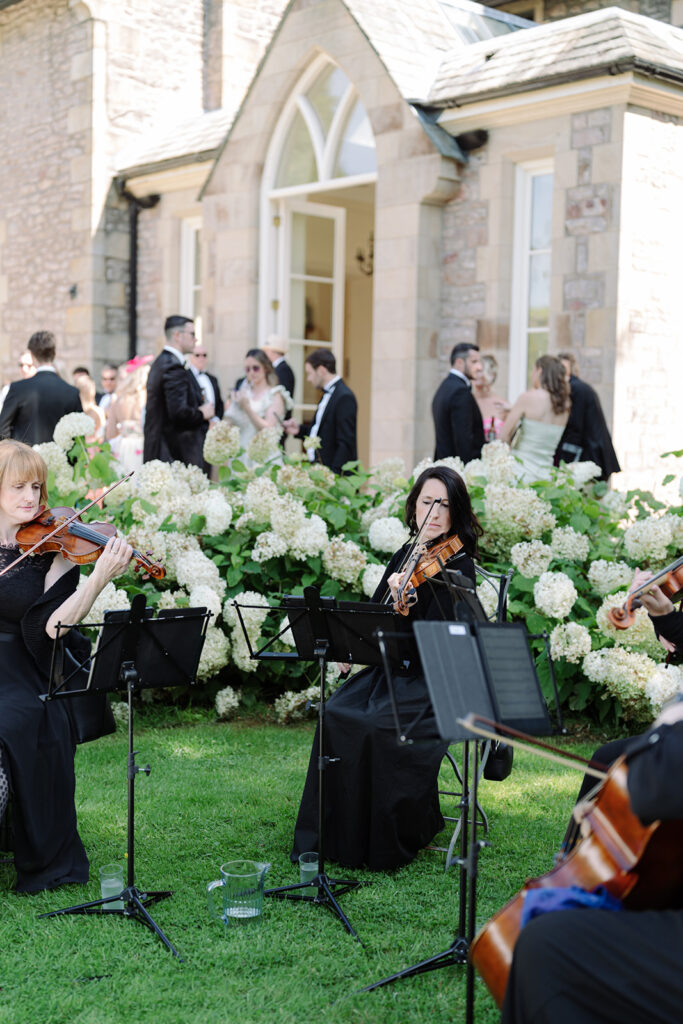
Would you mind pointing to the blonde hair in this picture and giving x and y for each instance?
(19, 464)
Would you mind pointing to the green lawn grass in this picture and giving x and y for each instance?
(220, 791)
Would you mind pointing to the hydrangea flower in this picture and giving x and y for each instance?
(555, 594)
(531, 558)
(226, 703)
(569, 545)
(607, 576)
(344, 560)
(222, 443)
(71, 426)
(215, 653)
(388, 534)
(570, 642)
(372, 577)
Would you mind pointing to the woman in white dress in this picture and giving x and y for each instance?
(260, 401)
(542, 414)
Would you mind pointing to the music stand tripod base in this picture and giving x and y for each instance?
(139, 648)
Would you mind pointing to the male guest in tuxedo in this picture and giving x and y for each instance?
(276, 349)
(335, 417)
(208, 383)
(34, 406)
(177, 414)
(457, 420)
(586, 437)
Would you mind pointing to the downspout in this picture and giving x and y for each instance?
(135, 204)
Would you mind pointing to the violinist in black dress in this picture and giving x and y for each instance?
(381, 799)
(592, 966)
(36, 743)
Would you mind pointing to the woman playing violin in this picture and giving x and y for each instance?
(592, 966)
(36, 744)
(381, 798)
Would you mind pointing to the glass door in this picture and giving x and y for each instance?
(312, 289)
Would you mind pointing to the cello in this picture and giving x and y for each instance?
(638, 864)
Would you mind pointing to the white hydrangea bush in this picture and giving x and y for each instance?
(269, 524)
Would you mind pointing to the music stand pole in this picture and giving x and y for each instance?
(327, 889)
(134, 900)
(457, 953)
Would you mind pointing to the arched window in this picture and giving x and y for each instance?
(329, 134)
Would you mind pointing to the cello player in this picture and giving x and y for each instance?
(594, 966)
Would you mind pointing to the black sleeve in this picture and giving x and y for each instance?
(434, 599)
(670, 627)
(34, 621)
(182, 412)
(463, 440)
(10, 408)
(345, 432)
(655, 770)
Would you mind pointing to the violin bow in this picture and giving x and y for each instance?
(525, 742)
(387, 599)
(67, 522)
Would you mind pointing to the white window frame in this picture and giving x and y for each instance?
(521, 242)
(189, 288)
(273, 250)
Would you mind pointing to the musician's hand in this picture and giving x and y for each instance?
(581, 810)
(113, 561)
(671, 712)
(652, 599)
(394, 583)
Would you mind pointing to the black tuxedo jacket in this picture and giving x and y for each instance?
(587, 430)
(33, 407)
(337, 430)
(174, 427)
(285, 376)
(457, 420)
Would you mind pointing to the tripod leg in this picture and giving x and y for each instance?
(145, 918)
(329, 901)
(455, 956)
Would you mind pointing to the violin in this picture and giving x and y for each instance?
(59, 529)
(429, 562)
(638, 864)
(670, 582)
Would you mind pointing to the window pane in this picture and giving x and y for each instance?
(310, 310)
(312, 245)
(541, 210)
(539, 289)
(537, 346)
(325, 94)
(357, 150)
(297, 163)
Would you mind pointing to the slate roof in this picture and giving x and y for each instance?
(410, 37)
(608, 41)
(192, 141)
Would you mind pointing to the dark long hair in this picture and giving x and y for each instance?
(463, 520)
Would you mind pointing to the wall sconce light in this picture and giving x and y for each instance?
(366, 264)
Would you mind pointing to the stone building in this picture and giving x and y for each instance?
(383, 178)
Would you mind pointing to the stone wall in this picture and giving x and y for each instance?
(649, 368)
(477, 244)
(45, 148)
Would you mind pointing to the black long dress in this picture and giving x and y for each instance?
(381, 799)
(36, 743)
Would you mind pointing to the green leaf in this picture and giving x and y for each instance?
(197, 523)
(335, 514)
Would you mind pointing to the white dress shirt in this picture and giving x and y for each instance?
(322, 405)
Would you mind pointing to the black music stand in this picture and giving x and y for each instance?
(485, 669)
(137, 651)
(326, 630)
